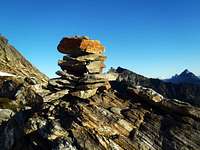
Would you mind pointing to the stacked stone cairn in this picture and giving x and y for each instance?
(81, 67)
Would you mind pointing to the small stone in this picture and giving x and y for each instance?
(5, 114)
(61, 83)
(95, 67)
(147, 94)
(67, 76)
(84, 94)
(55, 96)
(89, 86)
(91, 57)
(92, 78)
(116, 110)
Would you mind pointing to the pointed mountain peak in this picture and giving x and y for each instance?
(185, 77)
(186, 71)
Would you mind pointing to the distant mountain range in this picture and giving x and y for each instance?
(185, 77)
(176, 88)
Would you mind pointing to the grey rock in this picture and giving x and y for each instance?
(84, 94)
(92, 78)
(147, 93)
(55, 96)
(91, 57)
(8, 89)
(5, 115)
(95, 67)
(90, 86)
(67, 76)
(61, 83)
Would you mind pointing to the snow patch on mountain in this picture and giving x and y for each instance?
(6, 74)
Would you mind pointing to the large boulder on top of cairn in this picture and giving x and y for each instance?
(81, 66)
(76, 46)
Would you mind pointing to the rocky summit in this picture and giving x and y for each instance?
(86, 109)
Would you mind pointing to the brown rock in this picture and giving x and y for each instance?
(76, 69)
(84, 94)
(85, 58)
(76, 46)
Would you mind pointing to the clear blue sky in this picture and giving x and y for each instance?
(156, 38)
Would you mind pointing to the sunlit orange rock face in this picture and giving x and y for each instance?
(77, 45)
(92, 46)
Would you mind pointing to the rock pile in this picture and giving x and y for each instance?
(81, 67)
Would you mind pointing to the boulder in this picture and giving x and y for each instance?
(147, 94)
(5, 115)
(76, 46)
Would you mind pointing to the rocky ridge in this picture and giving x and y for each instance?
(11, 61)
(49, 116)
(185, 92)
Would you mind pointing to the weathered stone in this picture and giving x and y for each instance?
(90, 86)
(67, 76)
(34, 123)
(147, 93)
(70, 63)
(61, 83)
(86, 58)
(8, 89)
(5, 115)
(77, 45)
(56, 95)
(31, 80)
(92, 78)
(111, 76)
(84, 94)
(76, 69)
(95, 67)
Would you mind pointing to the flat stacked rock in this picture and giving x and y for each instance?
(81, 67)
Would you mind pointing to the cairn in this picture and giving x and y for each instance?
(81, 67)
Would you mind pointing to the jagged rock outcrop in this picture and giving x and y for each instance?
(11, 61)
(185, 92)
(48, 116)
